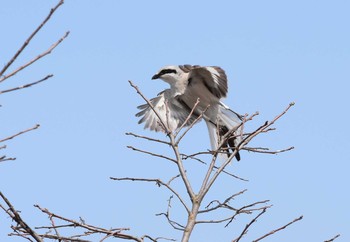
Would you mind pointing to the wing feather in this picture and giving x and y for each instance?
(212, 77)
(177, 113)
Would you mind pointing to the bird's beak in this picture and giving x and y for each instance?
(156, 76)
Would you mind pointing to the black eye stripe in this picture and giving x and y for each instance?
(167, 71)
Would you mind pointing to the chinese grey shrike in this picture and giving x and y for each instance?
(187, 84)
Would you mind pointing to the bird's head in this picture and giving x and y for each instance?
(169, 74)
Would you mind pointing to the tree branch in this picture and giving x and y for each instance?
(26, 85)
(245, 230)
(158, 182)
(332, 239)
(173, 223)
(148, 138)
(116, 232)
(276, 230)
(11, 211)
(48, 51)
(19, 133)
(28, 40)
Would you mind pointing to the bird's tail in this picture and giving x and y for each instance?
(226, 120)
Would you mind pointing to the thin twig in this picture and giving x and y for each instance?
(266, 150)
(12, 212)
(3, 158)
(117, 232)
(26, 85)
(173, 223)
(332, 239)
(148, 138)
(19, 133)
(48, 51)
(29, 39)
(245, 210)
(151, 153)
(244, 142)
(245, 230)
(227, 200)
(192, 156)
(172, 179)
(276, 230)
(158, 182)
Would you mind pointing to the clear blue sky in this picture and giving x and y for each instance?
(274, 52)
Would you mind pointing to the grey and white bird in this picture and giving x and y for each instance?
(187, 84)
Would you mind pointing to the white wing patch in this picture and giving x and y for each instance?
(172, 114)
(214, 74)
(151, 119)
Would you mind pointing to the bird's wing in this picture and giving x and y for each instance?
(212, 77)
(177, 113)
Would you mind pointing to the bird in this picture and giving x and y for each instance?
(189, 83)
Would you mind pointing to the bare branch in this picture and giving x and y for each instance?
(28, 40)
(266, 150)
(148, 138)
(48, 51)
(227, 200)
(151, 153)
(173, 223)
(116, 232)
(276, 230)
(245, 141)
(181, 167)
(26, 85)
(173, 178)
(54, 226)
(332, 239)
(264, 126)
(245, 230)
(22, 132)
(3, 158)
(12, 212)
(159, 183)
(214, 221)
(158, 238)
(193, 156)
(62, 238)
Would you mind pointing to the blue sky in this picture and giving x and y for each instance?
(274, 52)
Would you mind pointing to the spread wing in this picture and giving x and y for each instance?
(212, 77)
(177, 113)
